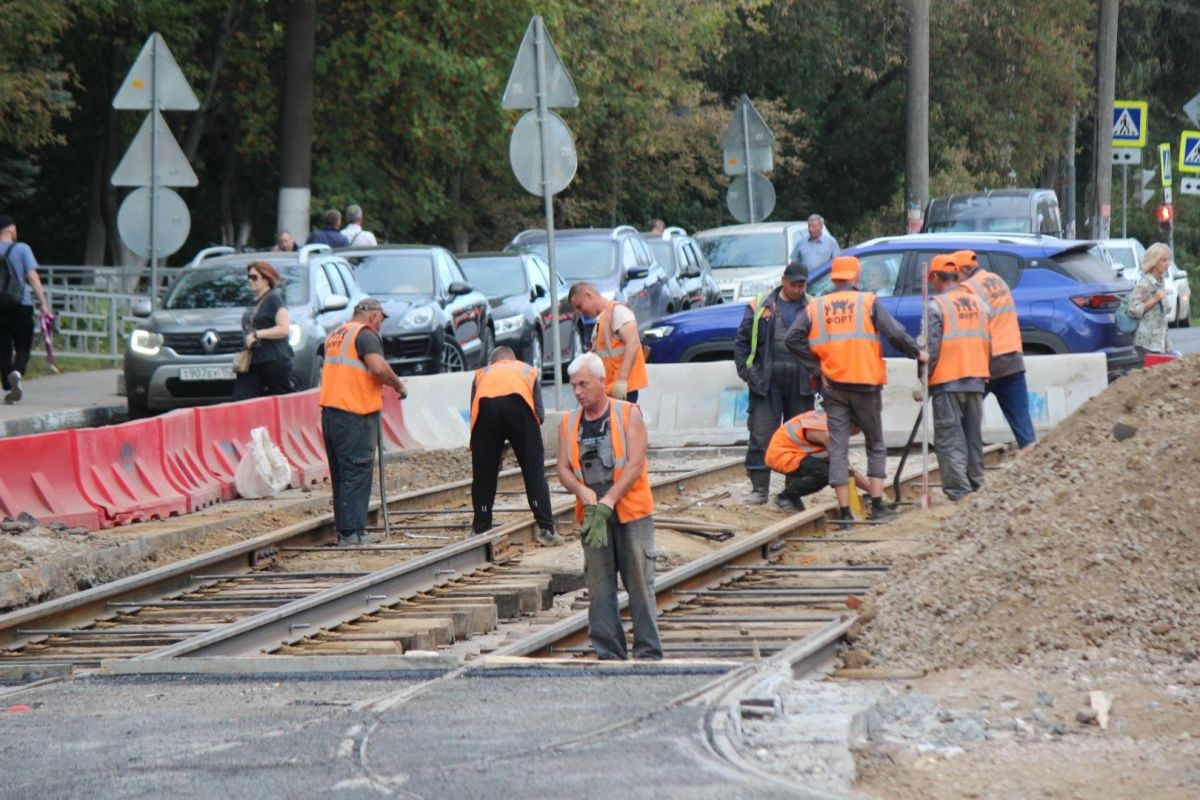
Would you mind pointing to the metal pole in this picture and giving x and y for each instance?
(1070, 232)
(746, 156)
(925, 500)
(1124, 196)
(548, 200)
(383, 506)
(154, 172)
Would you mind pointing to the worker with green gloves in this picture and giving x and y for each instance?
(602, 461)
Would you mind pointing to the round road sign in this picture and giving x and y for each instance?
(525, 153)
(738, 198)
(174, 222)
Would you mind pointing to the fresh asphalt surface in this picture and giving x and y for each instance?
(469, 737)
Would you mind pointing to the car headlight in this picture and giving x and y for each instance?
(509, 324)
(418, 317)
(295, 335)
(660, 332)
(754, 286)
(148, 343)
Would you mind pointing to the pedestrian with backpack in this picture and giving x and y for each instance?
(18, 272)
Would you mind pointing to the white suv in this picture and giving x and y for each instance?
(748, 260)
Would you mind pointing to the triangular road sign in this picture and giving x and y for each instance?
(173, 166)
(522, 88)
(174, 93)
(1125, 127)
(760, 134)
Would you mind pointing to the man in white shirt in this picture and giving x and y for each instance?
(354, 232)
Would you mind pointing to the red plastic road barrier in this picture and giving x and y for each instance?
(300, 435)
(37, 476)
(120, 470)
(395, 435)
(1153, 359)
(223, 433)
(181, 459)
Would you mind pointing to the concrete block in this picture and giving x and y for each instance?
(437, 411)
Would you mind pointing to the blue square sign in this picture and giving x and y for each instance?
(1129, 123)
(1189, 151)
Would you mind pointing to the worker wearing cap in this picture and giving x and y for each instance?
(799, 451)
(1007, 367)
(506, 406)
(615, 339)
(839, 334)
(353, 375)
(780, 386)
(959, 351)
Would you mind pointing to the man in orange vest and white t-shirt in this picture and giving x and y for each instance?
(602, 461)
(959, 351)
(353, 375)
(506, 406)
(615, 339)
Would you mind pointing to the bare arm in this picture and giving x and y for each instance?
(283, 321)
(35, 281)
(378, 367)
(566, 475)
(633, 343)
(635, 459)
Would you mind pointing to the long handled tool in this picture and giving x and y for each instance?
(926, 502)
(383, 506)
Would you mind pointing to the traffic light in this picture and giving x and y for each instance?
(1165, 216)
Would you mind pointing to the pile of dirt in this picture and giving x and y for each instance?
(1087, 544)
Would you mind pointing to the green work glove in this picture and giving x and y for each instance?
(595, 532)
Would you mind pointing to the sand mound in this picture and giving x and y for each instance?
(1088, 542)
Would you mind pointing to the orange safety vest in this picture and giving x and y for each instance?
(965, 351)
(504, 378)
(844, 338)
(636, 503)
(611, 349)
(346, 383)
(1003, 326)
(790, 444)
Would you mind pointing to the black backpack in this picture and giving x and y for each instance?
(12, 285)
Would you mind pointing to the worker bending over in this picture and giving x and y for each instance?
(615, 339)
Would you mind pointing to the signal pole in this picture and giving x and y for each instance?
(1106, 70)
(916, 107)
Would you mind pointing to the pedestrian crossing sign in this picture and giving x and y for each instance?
(1189, 151)
(1129, 123)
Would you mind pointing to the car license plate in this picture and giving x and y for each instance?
(206, 373)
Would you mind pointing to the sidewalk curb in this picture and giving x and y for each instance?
(50, 421)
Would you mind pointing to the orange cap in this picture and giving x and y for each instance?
(943, 263)
(845, 268)
(966, 258)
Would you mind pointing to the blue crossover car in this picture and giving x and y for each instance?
(1066, 297)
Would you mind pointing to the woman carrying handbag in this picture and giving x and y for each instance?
(266, 326)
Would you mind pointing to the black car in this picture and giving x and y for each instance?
(689, 277)
(517, 286)
(616, 261)
(437, 322)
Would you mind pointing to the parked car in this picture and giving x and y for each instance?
(1066, 297)
(182, 354)
(1128, 255)
(689, 276)
(748, 260)
(614, 260)
(995, 211)
(517, 286)
(437, 321)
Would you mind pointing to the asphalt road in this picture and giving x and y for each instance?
(1185, 339)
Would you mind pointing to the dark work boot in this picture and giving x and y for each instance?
(844, 513)
(787, 505)
(760, 487)
(881, 511)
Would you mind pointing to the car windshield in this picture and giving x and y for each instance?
(579, 259)
(980, 224)
(745, 250)
(227, 287)
(664, 253)
(1123, 255)
(495, 277)
(394, 274)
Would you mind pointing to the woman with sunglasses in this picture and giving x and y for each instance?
(266, 325)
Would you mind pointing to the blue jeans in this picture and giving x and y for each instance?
(1013, 396)
(350, 447)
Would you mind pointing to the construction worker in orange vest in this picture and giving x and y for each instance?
(506, 406)
(839, 333)
(353, 375)
(959, 351)
(1007, 367)
(780, 387)
(798, 450)
(615, 339)
(602, 461)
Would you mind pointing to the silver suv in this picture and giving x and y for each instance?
(182, 354)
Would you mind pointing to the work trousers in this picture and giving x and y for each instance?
(629, 553)
(843, 409)
(1013, 397)
(811, 475)
(768, 412)
(272, 377)
(500, 420)
(958, 440)
(16, 341)
(350, 447)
